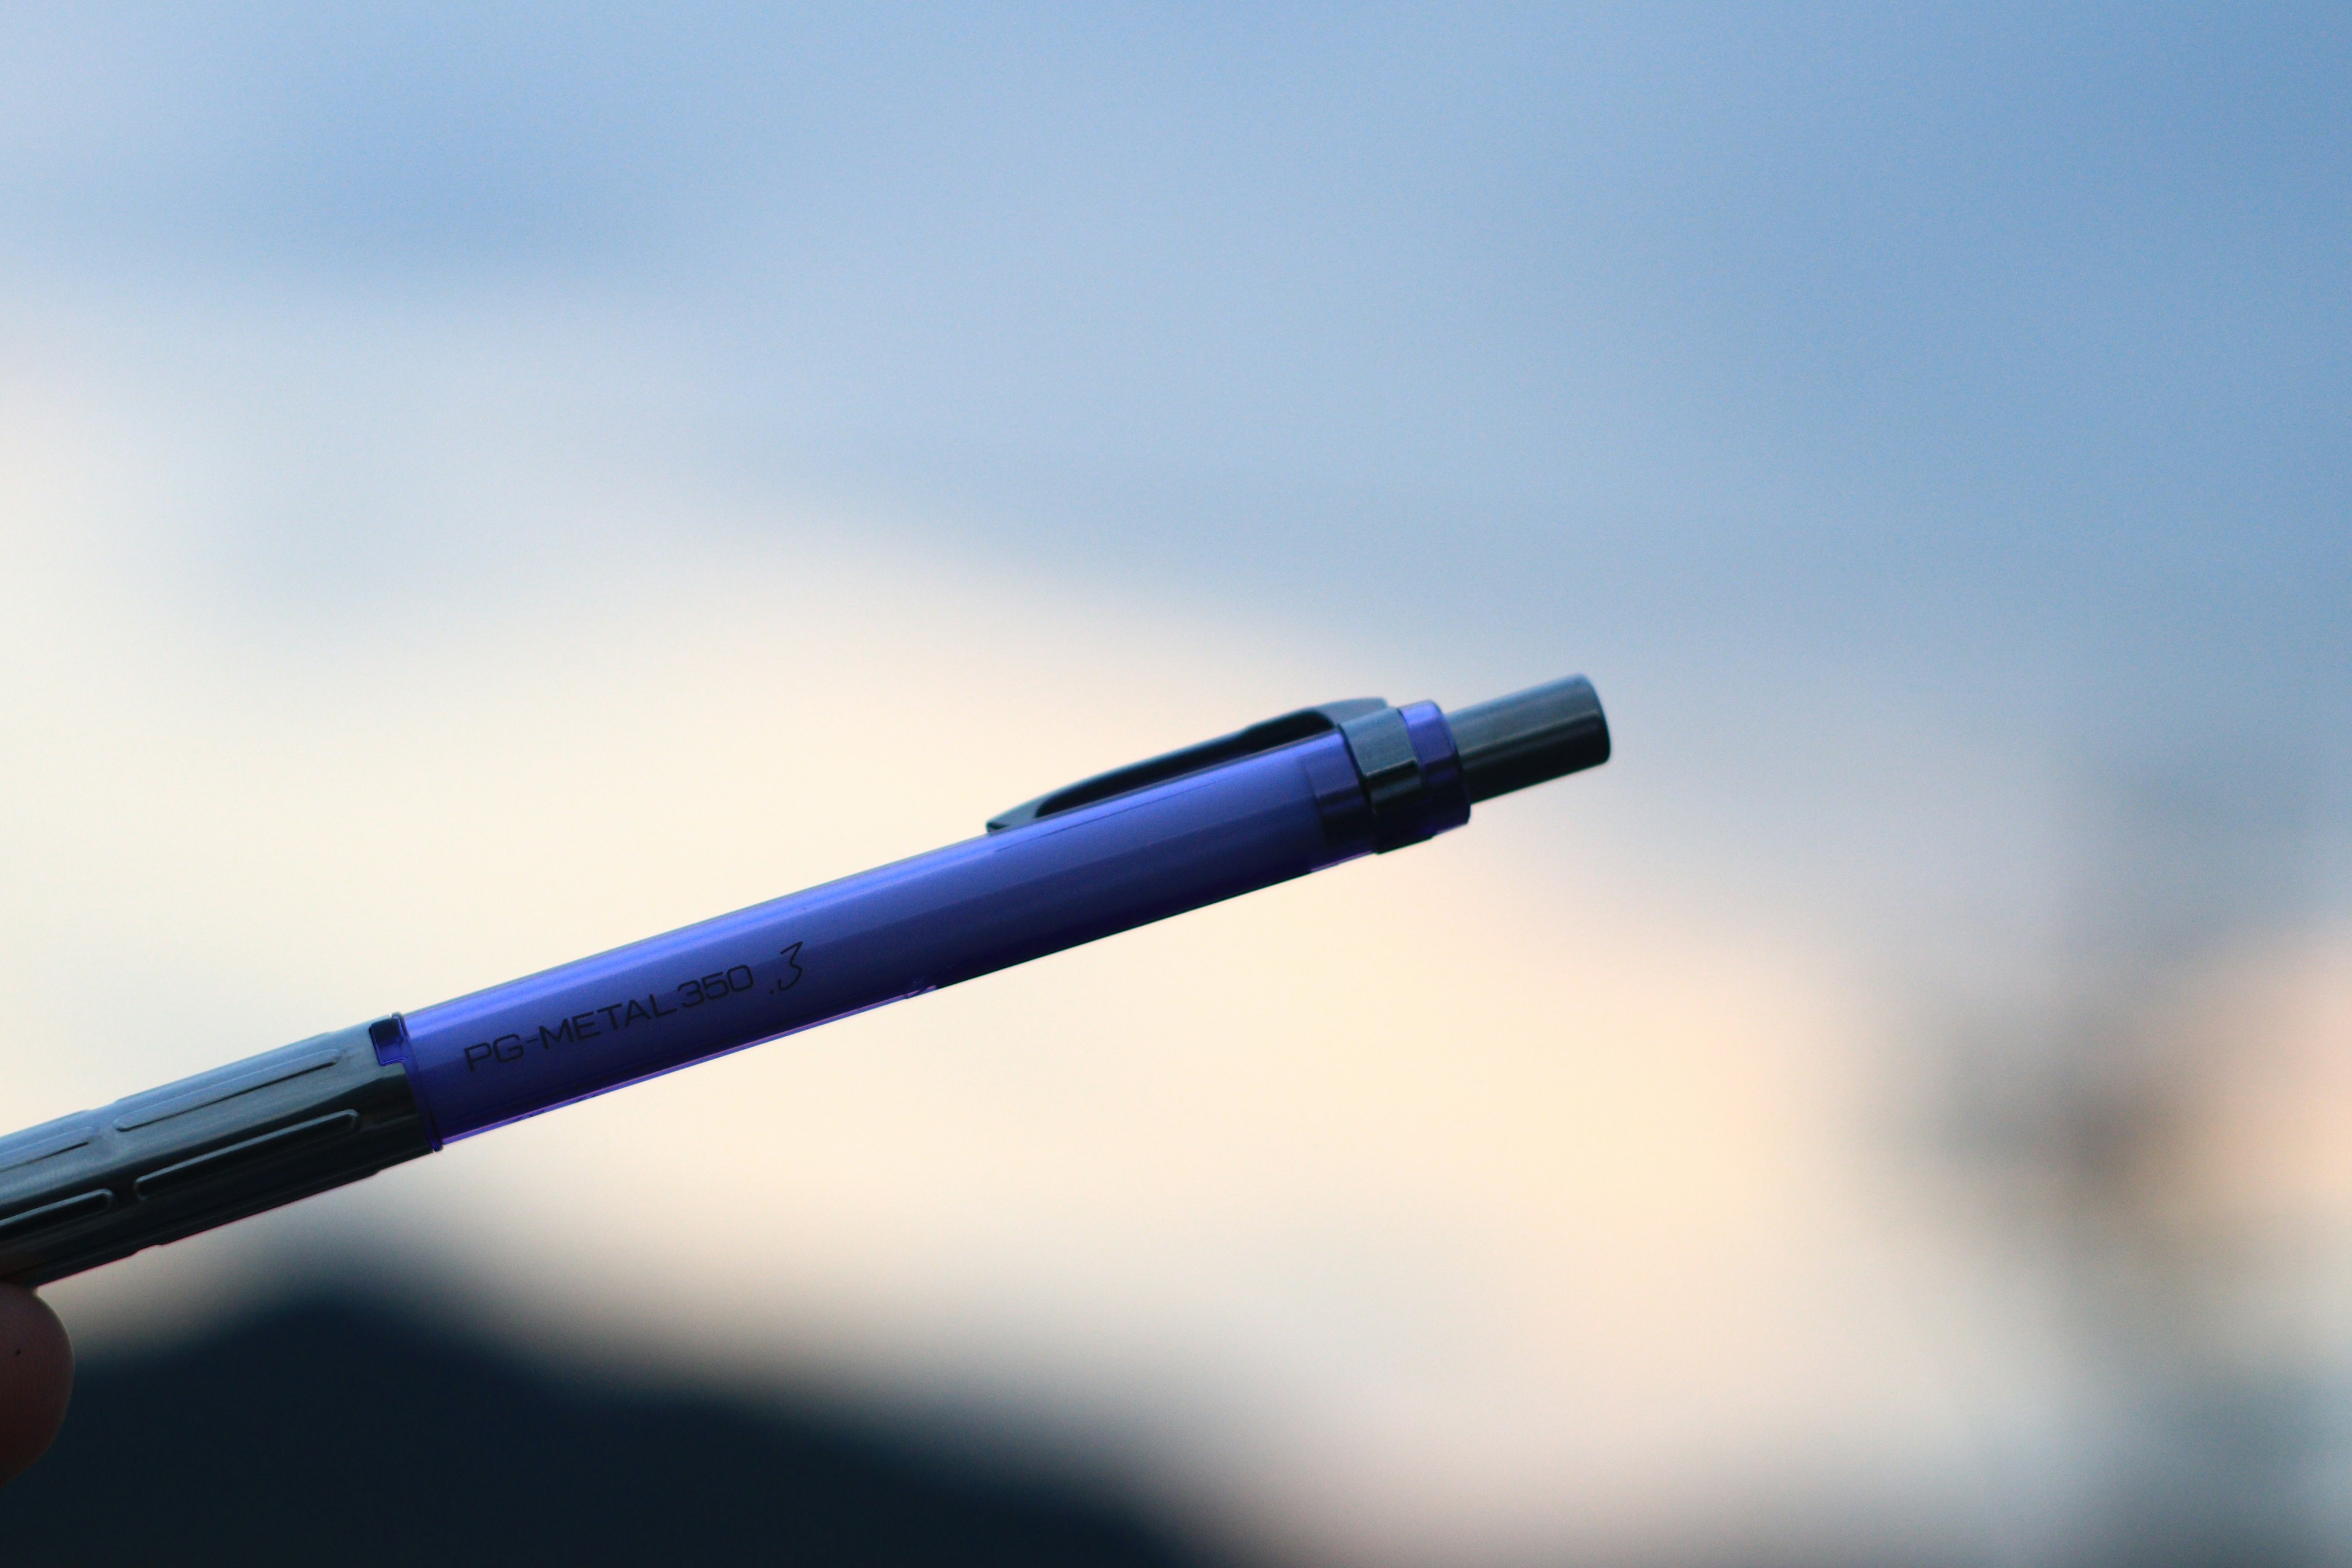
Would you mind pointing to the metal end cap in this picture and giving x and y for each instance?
(1544, 733)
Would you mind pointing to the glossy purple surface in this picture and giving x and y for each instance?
(983, 904)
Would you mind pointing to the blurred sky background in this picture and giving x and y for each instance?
(482, 484)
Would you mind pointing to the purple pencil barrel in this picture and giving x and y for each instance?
(595, 1025)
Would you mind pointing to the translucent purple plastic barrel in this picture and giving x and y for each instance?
(983, 904)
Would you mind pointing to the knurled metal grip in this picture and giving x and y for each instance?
(88, 1189)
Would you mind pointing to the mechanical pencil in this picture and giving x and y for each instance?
(1274, 801)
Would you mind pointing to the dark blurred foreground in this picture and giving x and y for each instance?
(333, 1431)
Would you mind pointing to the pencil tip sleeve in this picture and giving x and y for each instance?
(1544, 733)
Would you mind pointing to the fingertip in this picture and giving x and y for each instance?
(36, 1378)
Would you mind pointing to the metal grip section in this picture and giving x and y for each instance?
(87, 1189)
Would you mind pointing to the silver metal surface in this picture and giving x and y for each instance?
(93, 1187)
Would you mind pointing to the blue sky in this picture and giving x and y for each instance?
(1983, 362)
(1995, 336)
